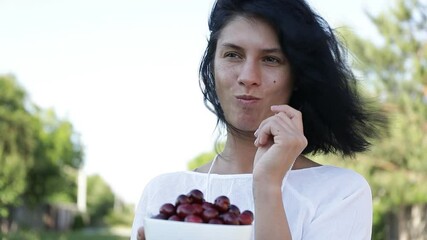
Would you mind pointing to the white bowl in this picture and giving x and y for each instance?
(157, 229)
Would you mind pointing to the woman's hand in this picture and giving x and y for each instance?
(280, 140)
(141, 234)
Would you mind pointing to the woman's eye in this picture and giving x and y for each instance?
(231, 55)
(271, 59)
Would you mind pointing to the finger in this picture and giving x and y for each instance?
(271, 127)
(293, 125)
(292, 113)
(141, 234)
(279, 118)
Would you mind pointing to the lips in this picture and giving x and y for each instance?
(247, 98)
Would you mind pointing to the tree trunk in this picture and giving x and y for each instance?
(407, 223)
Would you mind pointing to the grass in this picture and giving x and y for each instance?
(101, 234)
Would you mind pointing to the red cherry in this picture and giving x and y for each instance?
(206, 205)
(230, 218)
(234, 209)
(174, 218)
(196, 196)
(185, 210)
(167, 209)
(216, 221)
(193, 219)
(222, 203)
(194, 208)
(181, 199)
(198, 209)
(246, 217)
(209, 214)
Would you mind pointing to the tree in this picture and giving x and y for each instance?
(17, 142)
(57, 156)
(395, 69)
(100, 199)
(39, 153)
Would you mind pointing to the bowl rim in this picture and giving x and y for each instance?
(164, 221)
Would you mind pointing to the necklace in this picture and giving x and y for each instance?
(208, 181)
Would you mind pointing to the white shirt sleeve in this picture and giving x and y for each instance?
(346, 217)
(140, 212)
(138, 218)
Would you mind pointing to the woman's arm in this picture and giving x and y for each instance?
(280, 140)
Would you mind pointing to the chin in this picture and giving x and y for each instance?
(246, 123)
(246, 128)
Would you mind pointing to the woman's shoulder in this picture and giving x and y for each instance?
(328, 174)
(172, 176)
(306, 170)
(326, 181)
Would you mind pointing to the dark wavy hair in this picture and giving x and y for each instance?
(336, 117)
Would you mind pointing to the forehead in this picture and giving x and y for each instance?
(249, 31)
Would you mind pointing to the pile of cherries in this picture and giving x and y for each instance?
(192, 207)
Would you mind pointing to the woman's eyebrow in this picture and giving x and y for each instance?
(266, 50)
(231, 45)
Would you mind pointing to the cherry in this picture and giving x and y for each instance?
(185, 210)
(181, 199)
(196, 196)
(174, 218)
(246, 217)
(216, 221)
(167, 209)
(234, 209)
(222, 203)
(193, 219)
(207, 205)
(192, 207)
(198, 209)
(209, 214)
(230, 218)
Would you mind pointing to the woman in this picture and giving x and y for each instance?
(274, 75)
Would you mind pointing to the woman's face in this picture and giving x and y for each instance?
(251, 72)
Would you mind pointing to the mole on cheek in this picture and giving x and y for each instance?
(274, 81)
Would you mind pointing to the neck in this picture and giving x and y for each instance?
(238, 154)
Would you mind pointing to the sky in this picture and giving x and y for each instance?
(125, 74)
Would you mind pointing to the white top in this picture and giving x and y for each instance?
(324, 202)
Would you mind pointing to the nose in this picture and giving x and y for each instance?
(250, 74)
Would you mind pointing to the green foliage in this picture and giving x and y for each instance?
(81, 220)
(57, 157)
(12, 182)
(397, 67)
(204, 158)
(100, 200)
(200, 160)
(17, 143)
(75, 235)
(39, 153)
(122, 215)
(396, 70)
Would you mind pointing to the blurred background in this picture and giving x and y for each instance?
(97, 97)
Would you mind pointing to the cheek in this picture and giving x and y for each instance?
(282, 87)
(224, 75)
